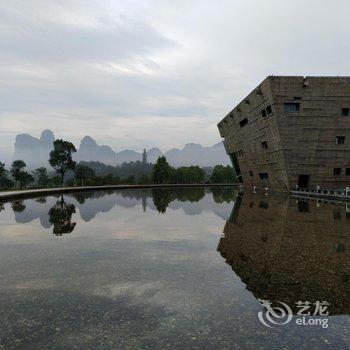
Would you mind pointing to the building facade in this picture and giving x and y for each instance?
(291, 131)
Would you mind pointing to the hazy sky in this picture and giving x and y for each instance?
(135, 73)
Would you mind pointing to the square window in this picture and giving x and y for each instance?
(340, 140)
(263, 205)
(251, 173)
(291, 107)
(336, 214)
(263, 113)
(243, 122)
(264, 145)
(340, 248)
(345, 112)
(268, 110)
(303, 207)
(336, 171)
(263, 176)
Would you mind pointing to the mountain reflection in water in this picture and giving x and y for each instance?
(57, 211)
(290, 250)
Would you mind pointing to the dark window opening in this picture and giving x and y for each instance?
(340, 140)
(263, 113)
(336, 171)
(243, 122)
(251, 173)
(344, 277)
(247, 101)
(303, 181)
(291, 107)
(236, 167)
(347, 171)
(303, 206)
(336, 214)
(268, 110)
(297, 98)
(345, 112)
(263, 205)
(264, 145)
(340, 248)
(263, 176)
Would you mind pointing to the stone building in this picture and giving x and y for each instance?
(289, 250)
(291, 131)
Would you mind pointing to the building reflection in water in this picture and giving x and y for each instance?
(60, 216)
(290, 250)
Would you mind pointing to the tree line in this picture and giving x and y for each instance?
(67, 172)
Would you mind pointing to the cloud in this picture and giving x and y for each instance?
(162, 71)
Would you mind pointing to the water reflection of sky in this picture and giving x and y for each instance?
(139, 270)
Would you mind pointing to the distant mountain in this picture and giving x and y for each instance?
(35, 152)
(191, 154)
(128, 156)
(153, 154)
(196, 154)
(89, 150)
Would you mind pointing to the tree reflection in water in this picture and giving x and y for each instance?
(223, 194)
(41, 200)
(61, 217)
(18, 206)
(163, 197)
(90, 203)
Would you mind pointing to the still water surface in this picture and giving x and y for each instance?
(174, 268)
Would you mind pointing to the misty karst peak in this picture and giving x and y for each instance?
(35, 152)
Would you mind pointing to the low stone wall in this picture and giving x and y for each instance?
(6, 196)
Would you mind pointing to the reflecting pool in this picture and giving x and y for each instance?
(201, 268)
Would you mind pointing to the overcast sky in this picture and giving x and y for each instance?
(142, 73)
